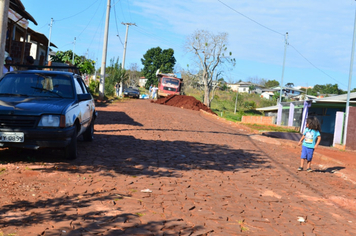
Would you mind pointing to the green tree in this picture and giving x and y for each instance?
(154, 59)
(115, 73)
(209, 50)
(251, 88)
(84, 65)
(271, 83)
(326, 89)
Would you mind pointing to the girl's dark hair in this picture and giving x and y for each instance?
(314, 123)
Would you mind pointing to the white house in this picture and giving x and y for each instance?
(244, 87)
(142, 82)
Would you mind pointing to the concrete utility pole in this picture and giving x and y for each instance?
(349, 85)
(123, 58)
(103, 58)
(73, 51)
(284, 61)
(49, 40)
(4, 11)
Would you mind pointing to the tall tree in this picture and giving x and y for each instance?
(209, 50)
(134, 75)
(154, 59)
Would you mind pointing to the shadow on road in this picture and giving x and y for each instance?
(117, 118)
(78, 214)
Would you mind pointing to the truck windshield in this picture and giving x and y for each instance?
(170, 81)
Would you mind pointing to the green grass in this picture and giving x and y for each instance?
(270, 128)
(223, 103)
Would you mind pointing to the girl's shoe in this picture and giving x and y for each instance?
(309, 170)
(300, 168)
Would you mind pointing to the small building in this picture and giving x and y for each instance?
(329, 111)
(244, 87)
(142, 82)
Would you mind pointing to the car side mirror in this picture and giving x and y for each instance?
(84, 97)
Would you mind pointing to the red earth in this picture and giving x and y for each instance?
(182, 101)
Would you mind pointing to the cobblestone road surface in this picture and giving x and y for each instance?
(161, 170)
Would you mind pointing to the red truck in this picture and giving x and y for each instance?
(169, 84)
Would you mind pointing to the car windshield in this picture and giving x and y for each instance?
(170, 81)
(36, 84)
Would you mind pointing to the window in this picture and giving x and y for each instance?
(78, 86)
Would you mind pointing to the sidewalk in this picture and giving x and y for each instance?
(326, 159)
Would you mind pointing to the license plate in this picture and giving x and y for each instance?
(12, 137)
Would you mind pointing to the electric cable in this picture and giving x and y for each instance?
(117, 28)
(316, 66)
(89, 21)
(251, 19)
(78, 12)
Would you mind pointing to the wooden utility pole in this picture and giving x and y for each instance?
(4, 12)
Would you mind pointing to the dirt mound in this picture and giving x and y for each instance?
(186, 102)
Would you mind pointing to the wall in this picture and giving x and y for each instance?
(16, 48)
(263, 120)
(351, 130)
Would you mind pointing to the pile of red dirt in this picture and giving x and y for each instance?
(186, 102)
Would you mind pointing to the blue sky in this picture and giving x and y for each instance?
(320, 33)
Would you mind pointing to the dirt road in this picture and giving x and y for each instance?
(160, 170)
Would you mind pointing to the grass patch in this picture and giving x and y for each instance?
(270, 128)
(2, 170)
(140, 214)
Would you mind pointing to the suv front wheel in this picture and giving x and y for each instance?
(71, 150)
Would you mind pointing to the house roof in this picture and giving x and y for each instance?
(271, 108)
(287, 88)
(38, 37)
(17, 6)
(339, 98)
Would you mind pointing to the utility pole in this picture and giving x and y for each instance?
(284, 60)
(349, 85)
(4, 10)
(103, 58)
(237, 94)
(123, 58)
(73, 51)
(49, 40)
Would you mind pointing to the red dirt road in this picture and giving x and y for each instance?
(161, 170)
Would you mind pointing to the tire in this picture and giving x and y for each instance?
(70, 151)
(88, 135)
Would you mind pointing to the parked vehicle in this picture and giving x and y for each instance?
(132, 92)
(45, 109)
(169, 84)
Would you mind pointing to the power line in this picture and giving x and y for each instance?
(250, 19)
(117, 28)
(282, 35)
(89, 21)
(316, 66)
(78, 12)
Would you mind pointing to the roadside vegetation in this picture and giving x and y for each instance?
(224, 102)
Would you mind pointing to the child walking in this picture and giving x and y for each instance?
(311, 139)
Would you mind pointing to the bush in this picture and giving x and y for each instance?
(94, 86)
